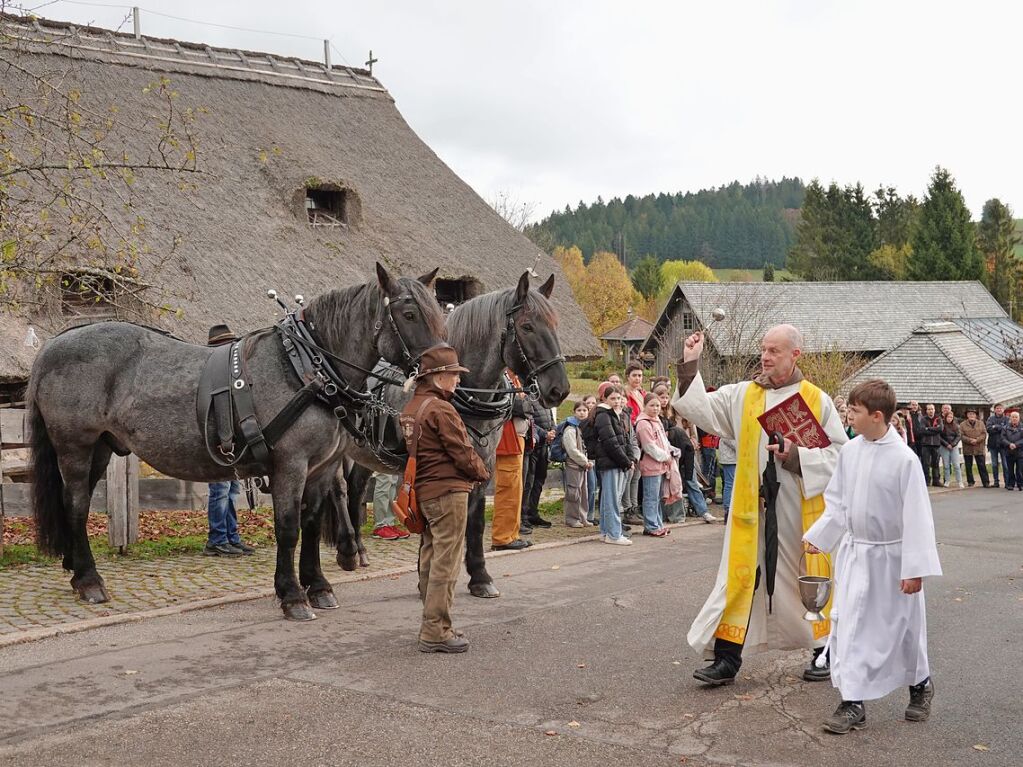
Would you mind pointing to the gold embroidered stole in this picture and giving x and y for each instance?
(744, 518)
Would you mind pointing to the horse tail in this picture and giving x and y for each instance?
(53, 528)
(330, 519)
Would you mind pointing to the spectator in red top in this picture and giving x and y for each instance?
(634, 393)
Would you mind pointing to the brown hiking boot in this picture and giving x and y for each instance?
(920, 696)
(454, 643)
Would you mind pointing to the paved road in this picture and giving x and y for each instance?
(587, 643)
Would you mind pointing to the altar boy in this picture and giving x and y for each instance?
(878, 517)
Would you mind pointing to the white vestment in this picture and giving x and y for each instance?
(720, 412)
(878, 515)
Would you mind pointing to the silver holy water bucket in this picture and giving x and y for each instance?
(814, 591)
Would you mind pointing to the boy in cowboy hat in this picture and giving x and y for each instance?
(447, 468)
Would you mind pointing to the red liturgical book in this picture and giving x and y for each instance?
(792, 417)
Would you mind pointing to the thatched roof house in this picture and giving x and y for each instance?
(309, 175)
(939, 363)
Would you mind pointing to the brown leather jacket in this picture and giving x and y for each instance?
(446, 461)
(977, 431)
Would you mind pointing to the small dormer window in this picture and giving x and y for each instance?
(86, 291)
(456, 292)
(326, 206)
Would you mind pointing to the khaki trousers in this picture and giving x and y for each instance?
(440, 557)
(507, 499)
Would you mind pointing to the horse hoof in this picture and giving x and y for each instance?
(323, 600)
(92, 593)
(363, 560)
(484, 590)
(346, 562)
(299, 611)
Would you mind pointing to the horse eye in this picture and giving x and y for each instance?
(410, 316)
(528, 328)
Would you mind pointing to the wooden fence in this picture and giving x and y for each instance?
(122, 483)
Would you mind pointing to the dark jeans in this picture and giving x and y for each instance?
(929, 459)
(999, 458)
(981, 468)
(1014, 472)
(709, 467)
(220, 509)
(534, 474)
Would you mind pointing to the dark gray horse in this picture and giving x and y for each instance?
(119, 388)
(515, 329)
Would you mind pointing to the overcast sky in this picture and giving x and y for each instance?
(553, 102)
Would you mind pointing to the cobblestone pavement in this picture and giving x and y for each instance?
(39, 596)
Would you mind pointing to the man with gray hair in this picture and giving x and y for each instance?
(736, 616)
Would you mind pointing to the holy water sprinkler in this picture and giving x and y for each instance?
(718, 314)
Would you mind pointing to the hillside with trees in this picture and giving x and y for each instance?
(733, 226)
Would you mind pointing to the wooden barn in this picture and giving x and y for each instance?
(306, 175)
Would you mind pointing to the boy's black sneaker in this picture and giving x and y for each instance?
(920, 696)
(849, 715)
(813, 674)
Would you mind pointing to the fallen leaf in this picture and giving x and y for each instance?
(506, 575)
(688, 716)
(743, 697)
(395, 577)
(676, 663)
(574, 723)
(981, 747)
(747, 678)
(683, 759)
(580, 665)
(555, 567)
(551, 732)
(958, 599)
(130, 671)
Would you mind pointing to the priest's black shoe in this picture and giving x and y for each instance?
(720, 672)
(813, 674)
(518, 545)
(850, 715)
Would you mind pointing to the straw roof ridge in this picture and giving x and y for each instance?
(244, 226)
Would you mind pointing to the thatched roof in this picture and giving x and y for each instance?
(939, 363)
(245, 229)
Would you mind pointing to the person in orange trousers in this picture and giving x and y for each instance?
(504, 533)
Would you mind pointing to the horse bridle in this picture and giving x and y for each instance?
(530, 378)
(412, 361)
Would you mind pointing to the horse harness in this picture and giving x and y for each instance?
(225, 396)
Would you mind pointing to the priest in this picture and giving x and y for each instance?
(737, 615)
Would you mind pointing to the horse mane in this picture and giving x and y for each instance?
(364, 301)
(473, 322)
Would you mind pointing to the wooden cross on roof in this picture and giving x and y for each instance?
(371, 61)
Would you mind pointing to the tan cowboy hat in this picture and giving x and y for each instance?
(440, 359)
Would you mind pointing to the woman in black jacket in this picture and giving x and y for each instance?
(609, 448)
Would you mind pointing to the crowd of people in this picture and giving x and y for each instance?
(946, 445)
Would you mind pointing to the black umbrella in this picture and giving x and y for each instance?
(769, 492)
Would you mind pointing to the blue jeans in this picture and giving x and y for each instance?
(950, 461)
(727, 481)
(222, 514)
(591, 494)
(999, 457)
(695, 495)
(709, 465)
(652, 519)
(611, 483)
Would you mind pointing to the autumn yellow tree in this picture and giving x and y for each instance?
(672, 272)
(606, 292)
(571, 262)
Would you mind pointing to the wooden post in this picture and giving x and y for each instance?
(123, 501)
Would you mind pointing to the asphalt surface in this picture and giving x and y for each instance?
(581, 662)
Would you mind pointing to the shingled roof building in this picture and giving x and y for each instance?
(309, 175)
(624, 341)
(939, 363)
(867, 318)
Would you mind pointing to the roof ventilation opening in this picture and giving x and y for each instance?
(458, 291)
(326, 206)
(87, 292)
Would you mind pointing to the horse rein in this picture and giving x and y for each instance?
(531, 376)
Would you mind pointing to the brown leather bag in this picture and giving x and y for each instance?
(404, 505)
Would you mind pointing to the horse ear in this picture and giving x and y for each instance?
(548, 287)
(522, 289)
(428, 278)
(387, 284)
